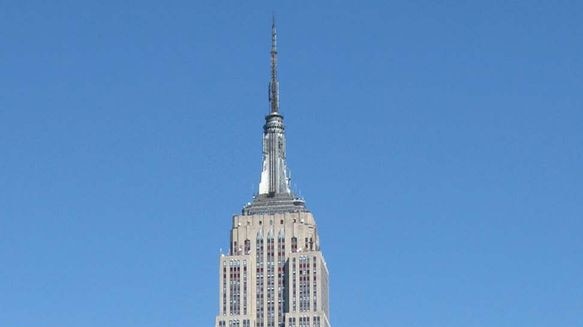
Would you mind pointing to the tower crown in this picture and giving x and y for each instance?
(275, 194)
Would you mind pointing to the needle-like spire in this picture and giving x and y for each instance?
(274, 193)
(274, 83)
(274, 175)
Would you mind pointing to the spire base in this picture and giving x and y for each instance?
(276, 203)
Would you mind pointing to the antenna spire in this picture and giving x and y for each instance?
(274, 174)
(275, 194)
(274, 83)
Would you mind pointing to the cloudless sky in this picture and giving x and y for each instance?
(439, 145)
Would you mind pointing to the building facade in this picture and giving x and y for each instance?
(274, 274)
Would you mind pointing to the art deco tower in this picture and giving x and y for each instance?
(274, 274)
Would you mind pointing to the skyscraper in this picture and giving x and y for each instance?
(274, 274)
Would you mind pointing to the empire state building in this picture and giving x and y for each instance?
(274, 274)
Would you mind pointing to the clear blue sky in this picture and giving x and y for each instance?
(438, 143)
